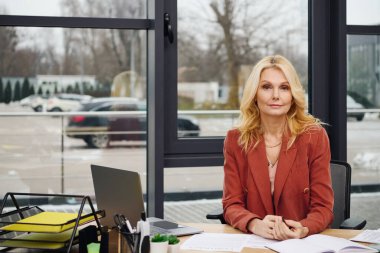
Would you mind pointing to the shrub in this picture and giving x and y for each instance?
(173, 239)
(159, 238)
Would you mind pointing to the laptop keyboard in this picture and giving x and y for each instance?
(156, 230)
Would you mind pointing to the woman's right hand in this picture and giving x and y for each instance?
(264, 227)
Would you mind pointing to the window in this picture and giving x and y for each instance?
(58, 70)
(363, 81)
(74, 8)
(364, 12)
(363, 102)
(214, 58)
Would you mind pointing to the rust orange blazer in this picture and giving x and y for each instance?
(302, 187)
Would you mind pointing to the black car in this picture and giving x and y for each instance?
(99, 130)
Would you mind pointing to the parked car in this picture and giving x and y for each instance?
(66, 102)
(36, 102)
(352, 104)
(99, 131)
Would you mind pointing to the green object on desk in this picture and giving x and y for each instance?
(93, 247)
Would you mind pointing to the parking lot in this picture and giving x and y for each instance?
(36, 156)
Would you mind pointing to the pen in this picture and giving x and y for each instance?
(129, 225)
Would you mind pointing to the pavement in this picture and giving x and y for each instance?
(367, 206)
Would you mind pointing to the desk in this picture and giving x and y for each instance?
(211, 228)
(221, 228)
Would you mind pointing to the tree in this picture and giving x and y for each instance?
(69, 89)
(224, 19)
(31, 90)
(25, 88)
(234, 35)
(1, 91)
(56, 89)
(8, 93)
(39, 92)
(76, 88)
(8, 43)
(17, 92)
(242, 36)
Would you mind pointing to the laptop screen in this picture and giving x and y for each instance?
(118, 192)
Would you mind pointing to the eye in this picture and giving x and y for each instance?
(284, 87)
(266, 86)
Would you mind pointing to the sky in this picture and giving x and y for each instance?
(363, 12)
(359, 12)
(31, 7)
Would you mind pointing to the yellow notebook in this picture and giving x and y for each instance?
(47, 222)
(46, 240)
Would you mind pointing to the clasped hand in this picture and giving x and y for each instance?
(275, 227)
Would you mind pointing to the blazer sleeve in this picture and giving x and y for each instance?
(320, 215)
(234, 192)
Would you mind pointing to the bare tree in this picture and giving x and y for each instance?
(8, 42)
(224, 17)
(238, 34)
(243, 36)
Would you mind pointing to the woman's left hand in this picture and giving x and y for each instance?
(288, 229)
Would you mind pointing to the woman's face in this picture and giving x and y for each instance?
(274, 97)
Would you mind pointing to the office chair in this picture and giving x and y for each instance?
(341, 184)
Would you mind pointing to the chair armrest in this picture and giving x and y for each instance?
(216, 214)
(353, 223)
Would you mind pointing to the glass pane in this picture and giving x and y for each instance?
(363, 104)
(75, 8)
(363, 12)
(192, 192)
(91, 84)
(218, 44)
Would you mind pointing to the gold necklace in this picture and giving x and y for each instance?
(274, 163)
(278, 144)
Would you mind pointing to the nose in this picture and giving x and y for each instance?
(275, 94)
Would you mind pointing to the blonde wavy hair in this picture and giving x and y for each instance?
(298, 121)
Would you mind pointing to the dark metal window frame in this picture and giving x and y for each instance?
(327, 80)
(327, 87)
(154, 27)
(328, 71)
(330, 101)
(362, 30)
(208, 151)
(182, 152)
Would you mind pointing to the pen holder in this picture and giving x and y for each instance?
(129, 242)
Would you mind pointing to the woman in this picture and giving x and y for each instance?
(277, 180)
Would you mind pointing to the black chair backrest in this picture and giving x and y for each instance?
(341, 184)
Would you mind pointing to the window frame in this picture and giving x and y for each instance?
(208, 151)
(360, 30)
(327, 69)
(154, 79)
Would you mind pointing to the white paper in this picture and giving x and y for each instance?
(225, 242)
(319, 243)
(297, 246)
(371, 236)
(216, 242)
(256, 241)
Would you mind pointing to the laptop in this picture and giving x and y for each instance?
(119, 192)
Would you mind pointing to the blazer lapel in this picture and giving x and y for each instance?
(258, 167)
(285, 163)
